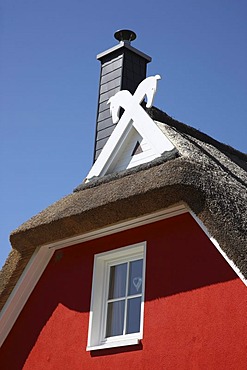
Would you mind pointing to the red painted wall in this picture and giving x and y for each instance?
(195, 308)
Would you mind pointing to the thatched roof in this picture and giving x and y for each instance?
(208, 176)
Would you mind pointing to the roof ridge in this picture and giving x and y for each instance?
(157, 114)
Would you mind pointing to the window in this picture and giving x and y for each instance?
(117, 301)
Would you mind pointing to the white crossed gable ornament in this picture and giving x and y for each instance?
(134, 116)
(126, 100)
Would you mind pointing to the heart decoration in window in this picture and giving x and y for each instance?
(137, 282)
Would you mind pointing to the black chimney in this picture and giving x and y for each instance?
(122, 68)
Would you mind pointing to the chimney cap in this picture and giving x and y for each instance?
(125, 35)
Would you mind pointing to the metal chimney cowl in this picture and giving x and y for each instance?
(122, 68)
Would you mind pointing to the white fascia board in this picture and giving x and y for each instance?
(23, 290)
(146, 128)
(175, 210)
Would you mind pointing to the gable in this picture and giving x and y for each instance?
(42, 256)
(189, 286)
(136, 150)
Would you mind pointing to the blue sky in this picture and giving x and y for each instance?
(49, 85)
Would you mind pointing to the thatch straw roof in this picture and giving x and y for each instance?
(208, 176)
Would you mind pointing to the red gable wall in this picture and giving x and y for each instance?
(194, 315)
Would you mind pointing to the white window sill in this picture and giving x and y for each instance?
(113, 344)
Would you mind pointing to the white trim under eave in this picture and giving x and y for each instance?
(176, 210)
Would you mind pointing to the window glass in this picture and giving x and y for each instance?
(115, 318)
(135, 277)
(133, 315)
(117, 285)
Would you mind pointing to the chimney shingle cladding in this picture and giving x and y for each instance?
(122, 68)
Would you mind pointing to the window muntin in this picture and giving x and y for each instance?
(117, 301)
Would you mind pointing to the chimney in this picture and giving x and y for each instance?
(122, 68)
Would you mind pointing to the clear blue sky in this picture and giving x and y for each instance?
(49, 85)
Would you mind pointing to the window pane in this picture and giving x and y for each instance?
(135, 277)
(133, 315)
(115, 318)
(117, 284)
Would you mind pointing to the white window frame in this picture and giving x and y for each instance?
(97, 317)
